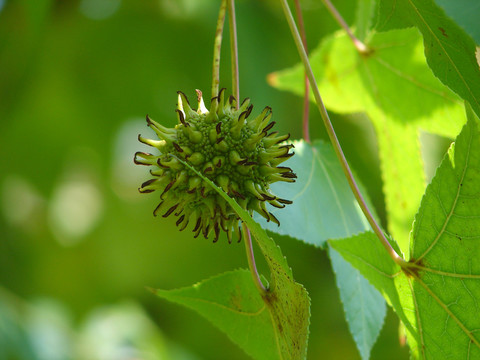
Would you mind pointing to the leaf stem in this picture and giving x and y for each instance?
(359, 45)
(333, 138)
(251, 261)
(306, 97)
(217, 46)
(234, 50)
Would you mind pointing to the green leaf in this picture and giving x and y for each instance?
(324, 208)
(364, 18)
(445, 251)
(465, 13)
(449, 50)
(323, 204)
(397, 90)
(437, 293)
(287, 302)
(232, 303)
(366, 253)
(364, 307)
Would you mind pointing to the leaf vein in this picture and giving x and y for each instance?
(309, 180)
(256, 313)
(277, 340)
(446, 273)
(448, 311)
(334, 190)
(414, 81)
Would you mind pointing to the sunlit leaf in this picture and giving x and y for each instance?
(397, 90)
(437, 293)
(232, 303)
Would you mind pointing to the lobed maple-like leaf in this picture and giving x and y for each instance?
(437, 294)
(401, 96)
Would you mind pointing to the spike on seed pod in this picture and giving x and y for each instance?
(213, 107)
(222, 146)
(157, 172)
(158, 127)
(236, 129)
(148, 182)
(245, 105)
(255, 123)
(184, 105)
(170, 211)
(177, 147)
(274, 219)
(272, 139)
(181, 118)
(233, 102)
(221, 108)
(194, 136)
(267, 197)
(268, 127)
(201, 105)
(249, 111)
(232, 150)
(150, 142)
(142, 158)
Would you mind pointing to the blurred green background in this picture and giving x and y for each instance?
(78, 243)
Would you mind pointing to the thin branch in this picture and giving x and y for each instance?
(234, 50)
(251, 261)
(359, 45)
(236, 93)
(306, 98)
(217, 46)
(333, 138)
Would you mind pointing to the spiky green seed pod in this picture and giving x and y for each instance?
(237, 153)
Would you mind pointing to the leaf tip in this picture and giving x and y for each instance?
(272, 79)
(152, 290)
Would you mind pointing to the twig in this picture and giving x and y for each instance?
(234, 50)
(306, 98)
(359, 45)
(236, 93)
(335, 142)
(217, 46)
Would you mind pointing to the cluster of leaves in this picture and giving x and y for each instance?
(404, 84)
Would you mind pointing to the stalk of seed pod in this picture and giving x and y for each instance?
(232, 149)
